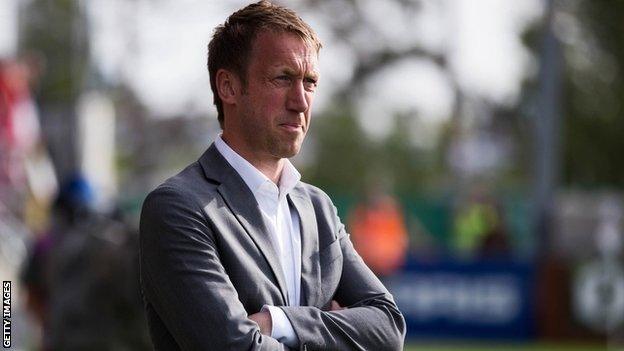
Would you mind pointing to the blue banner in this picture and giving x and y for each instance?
(474, 300)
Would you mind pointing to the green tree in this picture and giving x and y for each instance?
(592, 38)
(56, 32)
(343, 154)
(594, 96)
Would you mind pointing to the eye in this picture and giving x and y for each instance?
(310, 84)
(284, 78)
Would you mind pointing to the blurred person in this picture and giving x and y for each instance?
(479, 227)
(80, 278)
(19, 121)
(379, 233)
(236, 252)
(27, 179)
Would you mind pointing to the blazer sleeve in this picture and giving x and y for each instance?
(184, 281)
(372, 320)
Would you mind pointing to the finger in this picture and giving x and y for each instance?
(335, 306)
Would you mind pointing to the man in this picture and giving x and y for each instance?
(236, 252)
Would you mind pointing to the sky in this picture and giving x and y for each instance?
(8, 27)
(159, 48)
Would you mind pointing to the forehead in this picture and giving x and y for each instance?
(282, 48)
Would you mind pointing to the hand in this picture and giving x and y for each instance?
(264, 322)
(335, 306)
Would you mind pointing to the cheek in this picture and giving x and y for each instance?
(307, 120)
(308, 113)
(273, 102)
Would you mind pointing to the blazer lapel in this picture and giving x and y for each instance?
(310, 265)
(243, 204)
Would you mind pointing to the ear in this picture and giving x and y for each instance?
(228, 86)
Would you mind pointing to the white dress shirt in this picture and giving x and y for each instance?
(283, 226)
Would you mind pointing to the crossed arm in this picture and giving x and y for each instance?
(371, 320)
(186, 284)
(265, 323)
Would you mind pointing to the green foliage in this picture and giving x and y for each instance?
(56, 31)
(593, 91)
(347, 160)
(343, 153)
(594, 97)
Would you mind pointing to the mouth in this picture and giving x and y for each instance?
(291, 127)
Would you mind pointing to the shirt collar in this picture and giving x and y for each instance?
(252, 176)
(289, 178)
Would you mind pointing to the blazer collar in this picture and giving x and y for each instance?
(244, 206)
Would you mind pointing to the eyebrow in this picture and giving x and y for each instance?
(310, 75)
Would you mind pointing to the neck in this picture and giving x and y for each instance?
(273, 170)
(268, 165)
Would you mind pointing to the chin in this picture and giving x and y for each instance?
(288, 152)
(292, 153)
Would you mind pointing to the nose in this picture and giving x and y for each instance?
(297, 99)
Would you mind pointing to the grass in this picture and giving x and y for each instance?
(509, 347)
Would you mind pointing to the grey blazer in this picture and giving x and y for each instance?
(207, 263)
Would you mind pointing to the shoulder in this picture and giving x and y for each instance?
(185, 190)
(316, 194)
(174, 209)
(323, 206)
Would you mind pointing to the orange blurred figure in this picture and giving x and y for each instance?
(378, 232)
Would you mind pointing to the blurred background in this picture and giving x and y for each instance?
(473, 148)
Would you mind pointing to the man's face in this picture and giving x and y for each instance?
(275, 107)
